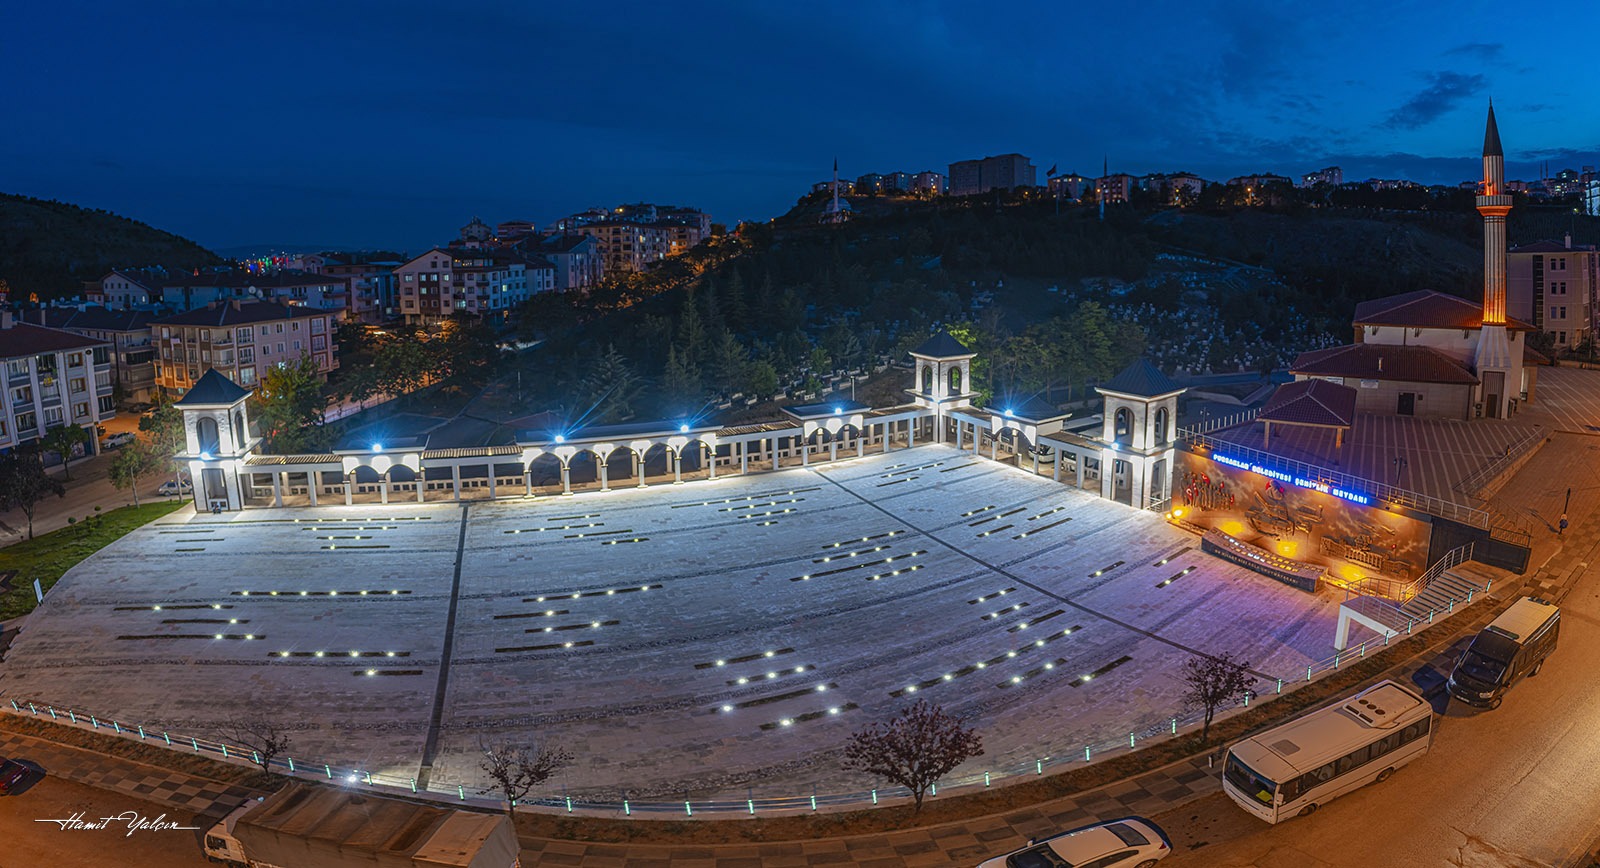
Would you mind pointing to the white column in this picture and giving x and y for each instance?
(744, 457)
(455, 480)
(994, 444)
(640, 465)
(677, 466)
(527, 481)
(491, 480)
(911, 433)
(805, 452)
(861, 444)
(833, 445)
(958, 435)
(1079, 460)
(711, 460)
(772, 445)
(422, 485)
(605, 484)
(277, 491)
(383, 488)
(1035, 451)
(1055, 469)
(349, 488)
(313, 482)
(566, 478)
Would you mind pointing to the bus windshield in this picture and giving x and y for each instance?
(1245, 780)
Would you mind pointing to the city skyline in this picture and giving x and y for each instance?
(389, 128)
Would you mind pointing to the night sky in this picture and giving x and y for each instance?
(391, 124)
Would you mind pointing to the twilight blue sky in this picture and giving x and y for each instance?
(351, 123)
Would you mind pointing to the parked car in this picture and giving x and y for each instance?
(116, 441)
(171, 488)
(1131, 842)
(18, 775)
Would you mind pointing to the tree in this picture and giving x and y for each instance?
(517, 770)
(264, 737)
(915, 749)
(61, 439)
(24, 483)
(131, 463)
(289, 407)
(681, 382)
(611, 387)
(1211, 681)
(164, 428)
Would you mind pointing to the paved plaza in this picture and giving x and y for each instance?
(714, 638)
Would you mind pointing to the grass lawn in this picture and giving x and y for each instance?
(47, 557)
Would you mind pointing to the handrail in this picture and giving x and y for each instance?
(1474, 481)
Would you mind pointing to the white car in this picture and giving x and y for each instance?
(1131, 842)
(171, 488)
(118, 440)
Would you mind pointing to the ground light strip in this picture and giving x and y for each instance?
(1028, 533)
(862, 566)
(1035, 672)
(555, 527)
(847, 542)
(842, 555)
(730, 661)
(545, 614)
(609, 592)
(786, 722)
(592, 625)
(1000, 593)
(359, 527)
(767, 513)
(335, 655)
(910, 470)
(995, 614)
(759, 505)
(595, 533)
(994, 530)
(357, 593)
(1047, 512)
(159, 608)
(773, 676)
(1034, 622)
(1103, 570)
(983, 664)
(1169, 558)
(972, 512)
(555, 647)
(1085, 679)
(743, 499)
(240, 636)
(1173, 578)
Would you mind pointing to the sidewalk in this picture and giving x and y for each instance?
(172, 789)
(90, 486)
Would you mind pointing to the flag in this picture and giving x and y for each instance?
(1051, 173)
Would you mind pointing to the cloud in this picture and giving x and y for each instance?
(1488, 52)
(1448, 89)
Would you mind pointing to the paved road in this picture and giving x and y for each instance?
(27, 844)
(1509, 788)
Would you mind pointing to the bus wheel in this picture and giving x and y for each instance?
(1308, 810)
(1494, 703)
(1384, 775)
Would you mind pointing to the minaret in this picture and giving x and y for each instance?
(836, 186)
(1493, 358)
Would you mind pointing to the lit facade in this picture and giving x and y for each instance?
(49, 378)
(241, 340)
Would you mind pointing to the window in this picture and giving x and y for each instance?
(294, 326)
(52, 416)
(247, 376)
(107, 404)
(280, 328)
(75, 360)
(297, 346)
(17, 369)
(3, 432)
(22, 395)
(27, 421)
(78, 384)
(80, 410)
(280, 348)
(246, 335)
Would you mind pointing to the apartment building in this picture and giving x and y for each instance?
(929, 183)
(1069, 186)
(1556, 287)
(578, 260)
(1005, 172)
(50, 377)
(241, 339)
(298, 288)
(371, 281)
(1115, 189)
(127, 331)
(1333, 176)
(638, 236)
(125, 289)
(473, 282)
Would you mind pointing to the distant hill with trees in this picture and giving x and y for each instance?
(49, 248)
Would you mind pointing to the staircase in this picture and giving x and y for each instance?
(1449, 585)
(1453, 584)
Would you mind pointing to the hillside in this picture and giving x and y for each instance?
(50, 247)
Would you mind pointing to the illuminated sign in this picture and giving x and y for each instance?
(1343, 493)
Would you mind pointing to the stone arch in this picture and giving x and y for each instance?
(208, 435)
(1160, 431)
(240, 435)
(1122, 426)
(955, 380)
(927, 379)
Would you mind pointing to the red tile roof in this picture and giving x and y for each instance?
(1311, 402)
(1426, 309)
(25, 339)
(1383, 362)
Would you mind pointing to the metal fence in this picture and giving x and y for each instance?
(1113, 744)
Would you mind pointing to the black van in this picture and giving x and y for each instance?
(1512, 647)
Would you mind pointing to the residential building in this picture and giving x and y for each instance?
(514, 228)
(577, 259)
(845, 187)
(126, 289)
(241, 339)
(301, 289)
(871, 184)
(1556, 287)
(1591, 197)
(50, 377)
(1264, 179)
(476, 231)
(639, 236)
(1183, 188)
(469, 281)
(1005, 172)
(897, 182)
(929, 183)
(1333, 176)
(311, 263)
(1114, 189)
(128, 333)
(1069, 186)
(371, 279)
(628, 246)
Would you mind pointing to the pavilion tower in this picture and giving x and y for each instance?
(1493, 359)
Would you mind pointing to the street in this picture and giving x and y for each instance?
(1509, 788)
(28, 844)
(89, 487)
